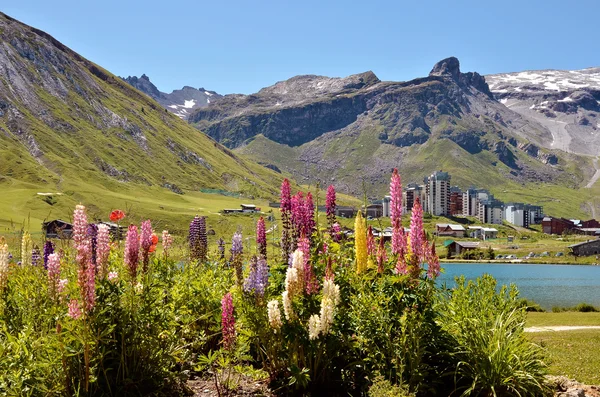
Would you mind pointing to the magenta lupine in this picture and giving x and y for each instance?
(336, 231)
(286, 207)
(398, 239)
(102, 249)
(297, 214)
(433, 262)
(401, 265)
(261, 237)
(86, 272)
(396, 197)
(381, 255)
(228, 322)
(145, 243)
(132, 251)
(311, 284)
(53, 263)
(330, 205)
(416, 232)
(370, 241)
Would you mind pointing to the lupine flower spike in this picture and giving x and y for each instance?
(261, 237)
(228, 322)
(360, 243)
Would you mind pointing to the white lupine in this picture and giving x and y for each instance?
(314, 327)
(331, 291)
(287, 306)
(292, 282)
(327, 311)
(274, 315)
(298, 264)
(3, 263)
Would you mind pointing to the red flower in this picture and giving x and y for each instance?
(154, 239)
(152, 248)
(116, 215)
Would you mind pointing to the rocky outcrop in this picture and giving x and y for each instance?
(565, 387)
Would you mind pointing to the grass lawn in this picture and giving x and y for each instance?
(564, 318)
(571, 353)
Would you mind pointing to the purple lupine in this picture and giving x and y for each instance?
(258, 278)
(330, 205)
(132, 251)
(370, 241)
(221, 245)
(102, 249)
(286, 207)
(237, 249)
(145, 243)
(228, 322)
(261, 237)
(36, 256)
(48, 249)
(416, 232)
(198, 242)
(92, 234)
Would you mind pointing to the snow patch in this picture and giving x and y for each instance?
(207, 100)
(189, 104)
(567, 99)
(551, 86)
(207, 93)
(503, 101)
(173, 106)
(518, 89)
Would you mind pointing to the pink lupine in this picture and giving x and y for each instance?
(113, 277)
(381, 255)
(228, 322)
(286, 230)
(311, 284)
(261, 237)
(74, 309)
(396, 197)
(132, 251)
(433, 262)
(167, 242)
(146, 243)
(53, 274)
(297, 213)
(80, 224)
(401, 265)
(416, 232)
(330, 205)
(86, 276)
(398, 238)
(102, 249)
(370, 241)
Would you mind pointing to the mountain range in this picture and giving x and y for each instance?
(483, 129)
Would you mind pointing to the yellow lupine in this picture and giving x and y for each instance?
(26, 249)
(360, 243)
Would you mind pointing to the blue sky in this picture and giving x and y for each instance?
(242, 46)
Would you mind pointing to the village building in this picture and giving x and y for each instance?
(444, 229)
(57, 229)
(587, 248)
(483, 233)
(456, 248)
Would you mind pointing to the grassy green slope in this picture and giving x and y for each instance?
(103, 143)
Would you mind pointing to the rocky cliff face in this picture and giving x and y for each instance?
(566, 103)
(180, 102)
(321, 128)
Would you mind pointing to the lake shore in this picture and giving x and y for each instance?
(535, 261)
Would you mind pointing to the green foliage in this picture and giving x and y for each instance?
(581, 307)
(382, 387)
(492, 356)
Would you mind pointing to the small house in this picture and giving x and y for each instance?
(57, 229)
(483, 233)
(587, 248)
(444, 229)
(456, 248)
(248, 208)
(116, 231)
(345, 211)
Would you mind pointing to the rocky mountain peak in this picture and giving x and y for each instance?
(447, 67)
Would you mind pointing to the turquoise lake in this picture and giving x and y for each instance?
(548, 285)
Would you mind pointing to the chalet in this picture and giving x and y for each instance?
(483, 233)
(116, 231)
(587, 248)
(248, 208)
(345, 211)
(244, 208)
(386, 233)
(551, 225)
(374, 210)
(444, 229)
(456, 248)
(57, 229)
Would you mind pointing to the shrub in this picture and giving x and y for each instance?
(491, 354)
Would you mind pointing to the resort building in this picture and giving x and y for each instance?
(437, 187)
